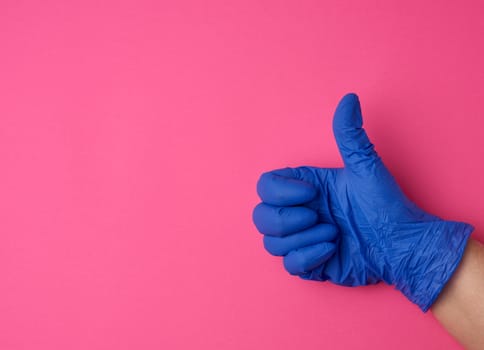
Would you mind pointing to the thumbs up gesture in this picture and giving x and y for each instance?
(354, 226)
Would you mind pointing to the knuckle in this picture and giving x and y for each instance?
(258, 217)
(266, 177)
(272, 245)
(295, 263)
(279, 219)
(262, 183)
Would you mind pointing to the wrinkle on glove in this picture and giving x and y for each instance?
(354, 226)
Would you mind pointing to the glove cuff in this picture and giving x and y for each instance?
(430, 263)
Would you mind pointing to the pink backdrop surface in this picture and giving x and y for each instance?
(132, 135)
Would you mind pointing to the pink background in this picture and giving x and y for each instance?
(132, 135)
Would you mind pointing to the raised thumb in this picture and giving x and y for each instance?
(358, 152)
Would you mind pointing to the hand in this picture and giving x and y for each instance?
(353, 225)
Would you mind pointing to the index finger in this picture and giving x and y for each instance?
(281, 187)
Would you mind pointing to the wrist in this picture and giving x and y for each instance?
(427, 264)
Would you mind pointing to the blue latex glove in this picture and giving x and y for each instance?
(354, 226)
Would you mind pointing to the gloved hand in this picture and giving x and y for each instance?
(353, 225)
